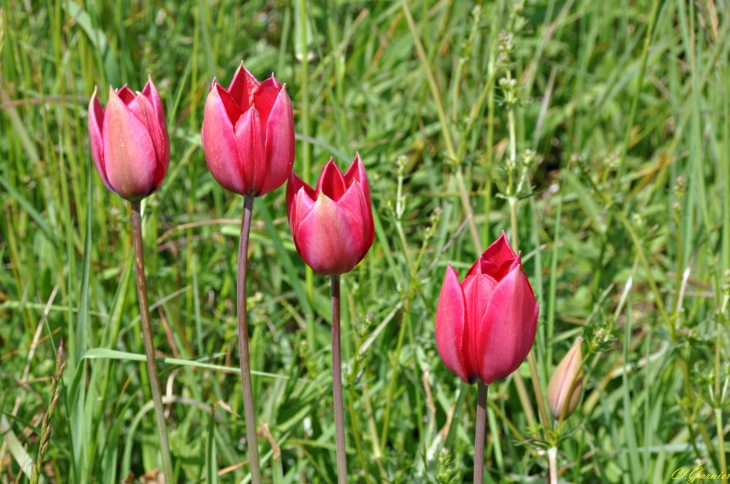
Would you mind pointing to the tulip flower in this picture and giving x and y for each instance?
(129, 142)
(566, 384)
(248, 140)
(131, 151)
(248, 134)
(332, 225)
(333, 229)
(485, 325)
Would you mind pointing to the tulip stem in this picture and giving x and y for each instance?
(337, 383)
(248, 405)
(480, 434)
(149, 349)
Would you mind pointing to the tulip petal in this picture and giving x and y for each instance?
(144, 110)
(450, 319)
(129, 154)
(507, 330)
(292, 189)
(125, 94)
(354, 201)
(252, 150)
(265, 96)
(220, 144)
(280, 144)
(150, 91)
(302, 205)
(96, 124)
(478, 291)
(331, 182)
(329, 238)
(496, 260)
(242, 88)
(356, 172)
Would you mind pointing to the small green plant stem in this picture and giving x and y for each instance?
(337, 383)
(249, 411)
(718, 392)
(721, 443)
(480, 433)
(552, 454)
(149, 349)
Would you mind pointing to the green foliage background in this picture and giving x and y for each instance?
(623, 221)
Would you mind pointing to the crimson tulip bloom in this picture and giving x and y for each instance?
(485, 325)
(332, 225)
(129, 142)
(248, 134)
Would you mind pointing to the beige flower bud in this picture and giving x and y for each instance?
(563, 395)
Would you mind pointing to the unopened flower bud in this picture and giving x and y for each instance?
(566, 384)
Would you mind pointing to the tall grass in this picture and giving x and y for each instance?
(623, 222)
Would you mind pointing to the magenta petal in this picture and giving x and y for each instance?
(496, 260)
(145, 112)
(331, 182)
(252, 150)
(96, 124)
(220, 145)
(357, 172)
(280, 144)
(242, 88)
(129, 155)
(150, 92)
(125, 94)
(265, 96)
(292, 189)
(508, 328)
(329, 238)
(450, 319)
(302, 205)
(231, 108)
(478, 291)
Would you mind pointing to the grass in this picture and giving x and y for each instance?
(622, 219)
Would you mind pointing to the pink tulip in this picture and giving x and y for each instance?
(332, 225)
(248, 134)
(129, 142)
(485, 326)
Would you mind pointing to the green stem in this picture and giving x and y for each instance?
(337, 383)
(552, 453)
(721, 444)
(149, 349)
(249, 410)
